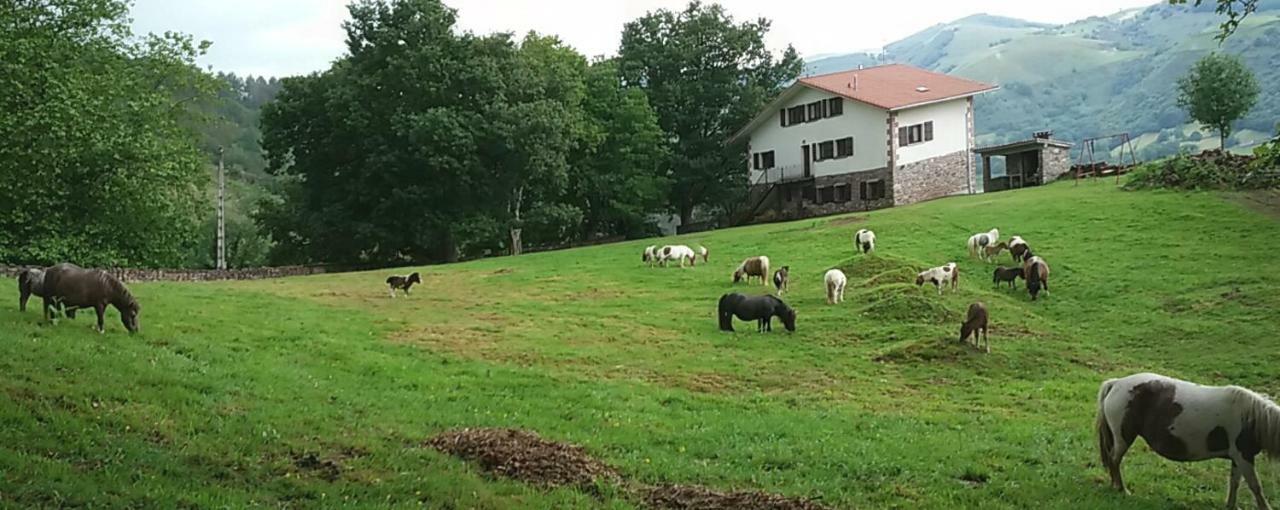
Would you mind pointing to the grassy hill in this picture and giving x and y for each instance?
(320, 391)
(1100, 75)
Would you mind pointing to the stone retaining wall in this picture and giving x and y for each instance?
(194, 275)
(931, 178)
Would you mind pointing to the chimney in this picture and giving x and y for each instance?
(853, 84)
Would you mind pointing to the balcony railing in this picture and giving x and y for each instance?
(779, 174)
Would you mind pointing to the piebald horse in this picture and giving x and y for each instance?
(1186, 422)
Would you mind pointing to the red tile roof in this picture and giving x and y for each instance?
(895, 86)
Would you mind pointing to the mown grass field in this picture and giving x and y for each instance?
(319, 391)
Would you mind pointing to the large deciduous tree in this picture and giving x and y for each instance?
(95, 166)
(1218, 90)
(426, 144)
(706, 75)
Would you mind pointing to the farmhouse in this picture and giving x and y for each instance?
(861, 139)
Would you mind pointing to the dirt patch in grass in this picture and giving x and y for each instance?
(846, 221)
(326, 468)
(1264, 201)
(927, 351)
(681, 497)
(526, 456)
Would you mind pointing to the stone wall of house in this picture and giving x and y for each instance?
(931, 178)
(1054, 161)
(777, 207)
(193, 275)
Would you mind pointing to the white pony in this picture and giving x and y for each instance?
(650, 256)
(702, 251)
(940, 276)
(864, 240)
(678, 252)
(836, 281)
(1186, 422)
(978, 242)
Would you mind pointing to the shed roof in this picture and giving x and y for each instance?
(1022, 146)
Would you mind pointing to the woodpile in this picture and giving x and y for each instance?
(1223, 158)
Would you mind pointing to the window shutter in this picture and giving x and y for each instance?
(755, 161)
(902, 137)
(928, 131)
(782, 117)
(862, 190)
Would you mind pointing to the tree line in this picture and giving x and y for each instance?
(425, 143)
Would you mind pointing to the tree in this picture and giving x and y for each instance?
(705, 75)
(1217, 91)
(1234, 10)
(95, 164)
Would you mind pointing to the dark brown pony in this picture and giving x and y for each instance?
(30, 282)
(976, 324)
(71, 286)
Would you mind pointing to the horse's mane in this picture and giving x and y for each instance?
(120, 295)
(1262, 415)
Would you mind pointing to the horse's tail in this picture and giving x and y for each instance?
(726, 315)
(1106, 440)
(24, 283)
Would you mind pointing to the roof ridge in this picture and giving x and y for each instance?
(855, 70)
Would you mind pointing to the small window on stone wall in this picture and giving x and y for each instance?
(872, 190)
(843, 193)
(808, 193)
(827, 194)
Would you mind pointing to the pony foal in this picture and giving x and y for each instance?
(781, 280)
(402, 283)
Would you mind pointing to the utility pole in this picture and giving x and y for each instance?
(222, 214)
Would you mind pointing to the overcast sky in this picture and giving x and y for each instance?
(287, 37)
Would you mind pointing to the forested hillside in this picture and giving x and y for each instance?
(1096, 76)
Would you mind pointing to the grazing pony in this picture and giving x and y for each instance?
(1018, 249)
(979, 241)
(71, 286)
(402, 283)
(678, 252)
(835, 281)
(990, 252)
(1006, 274)
(940, 276)
(864, 240)
(1036, 272)
(781, 280)
(702, 251)
(1187, 422)
(976, 323)
(650, 256)
(30, 282)
(761, 309)
(753, 266)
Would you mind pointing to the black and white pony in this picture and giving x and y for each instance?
(402, 282)
(761, 309)
(1186, 422)
(864, 240)
(979, 242)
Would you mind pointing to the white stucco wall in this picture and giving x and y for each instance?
(866, 124)
(949, 130)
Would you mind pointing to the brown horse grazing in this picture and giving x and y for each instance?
(402, 283)
(72, 286)
(1036, 272)
(976, 324)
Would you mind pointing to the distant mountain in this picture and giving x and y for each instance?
(1096, 76)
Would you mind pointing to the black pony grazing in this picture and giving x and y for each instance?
(402, 283)
(755, 308)
(71, 286)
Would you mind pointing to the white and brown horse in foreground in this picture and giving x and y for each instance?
(1186, 422)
